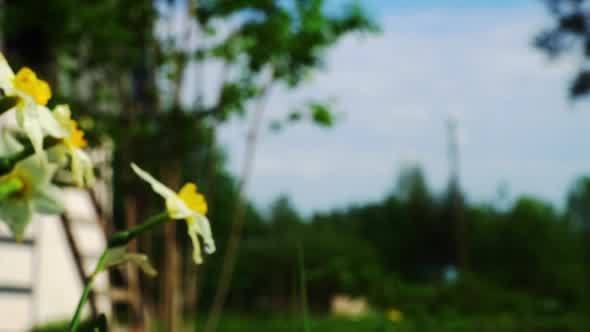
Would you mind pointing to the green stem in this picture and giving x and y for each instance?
(87, 289)
(10, 186)
(118, 239)
(123, 237)
(7, 163)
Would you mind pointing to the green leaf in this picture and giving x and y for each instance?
(17, 214)
(119, 255)
(321, 115)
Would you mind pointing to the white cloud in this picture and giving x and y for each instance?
(397, 89)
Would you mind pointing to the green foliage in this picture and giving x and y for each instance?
(333, 263)
(531, 248)
(578, 203)
(233, 95)
(290, 37)
(525, 261)
(570, 28)
(317, 112)
(528, 259)
(95, 33)
(321, 115)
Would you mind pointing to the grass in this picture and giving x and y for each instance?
(280, 323)
(376, 323)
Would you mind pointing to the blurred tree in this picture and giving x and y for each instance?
(569, 34)
(578, 204)
(418, 223)
(532, 248)
(283, 214)
(528, 251)
(578, 212)
(451, 240)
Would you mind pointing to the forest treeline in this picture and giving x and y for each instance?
(404, 251)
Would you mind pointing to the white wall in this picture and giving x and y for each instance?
(50, 268)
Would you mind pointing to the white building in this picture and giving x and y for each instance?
(44, 266)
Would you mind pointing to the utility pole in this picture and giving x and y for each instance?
(455, 195)
(453, 148)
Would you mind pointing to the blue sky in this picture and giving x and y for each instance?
(472, 59)
(380, 7)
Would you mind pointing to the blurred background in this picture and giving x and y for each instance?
(369, 165)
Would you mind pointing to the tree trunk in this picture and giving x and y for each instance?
(170, 297)
(133, 286)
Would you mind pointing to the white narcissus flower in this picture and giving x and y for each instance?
(38, 194)
(9, 145)
(33, 93)
(73, 144)
(189, 205)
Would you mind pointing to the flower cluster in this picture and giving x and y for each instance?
(47, 140)
(30, 175)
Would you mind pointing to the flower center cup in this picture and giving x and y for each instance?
(194, 200)
(27, 82)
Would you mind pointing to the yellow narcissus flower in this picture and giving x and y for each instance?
(32, 115)
(73, 144)
(187, 204)
(37, 194)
